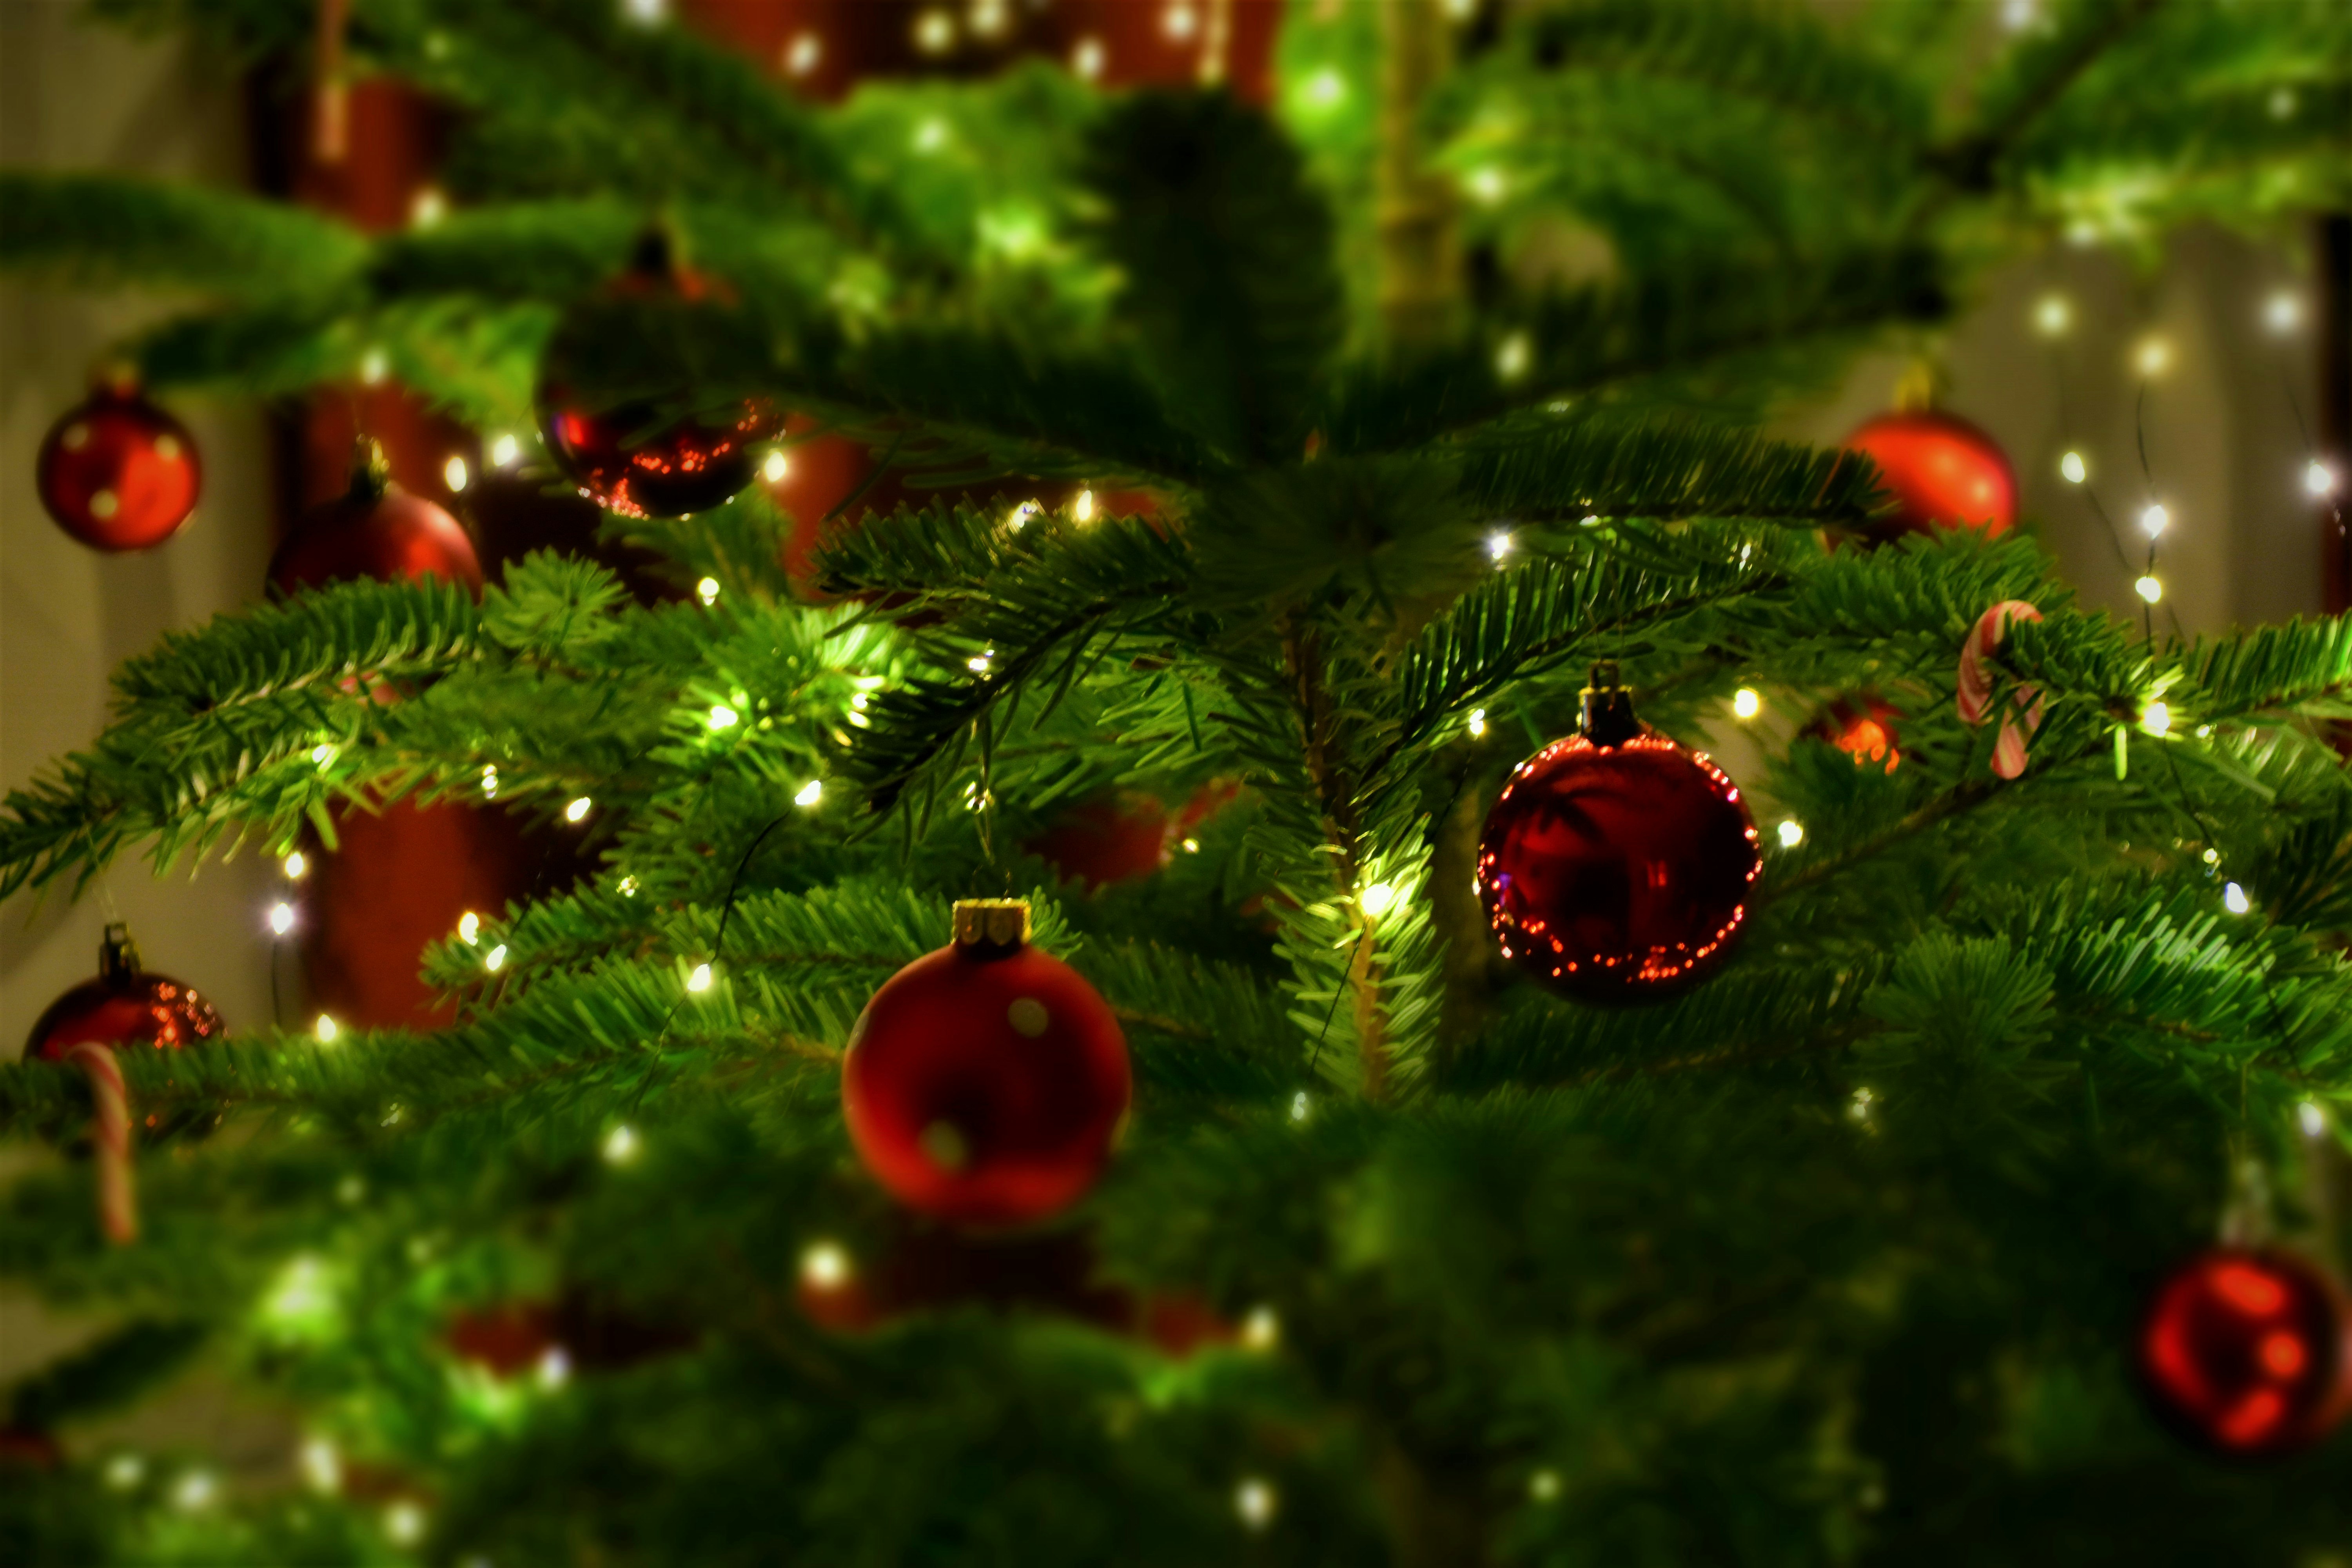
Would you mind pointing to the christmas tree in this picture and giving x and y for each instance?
(1497, 1133)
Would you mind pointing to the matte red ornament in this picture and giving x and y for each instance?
(1616, 865)
(2248, 1353)
(375, 531)
(1942, 471)
(629, 456)
(125, 1005)
(985, 1083)
(117, 472)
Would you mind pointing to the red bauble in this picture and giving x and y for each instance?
(117, 472)
(125, 1005)
(984, 1083)
(2248, 1353)
(378, 530)
(1943, 470)
(629, 456)
(1616, 865)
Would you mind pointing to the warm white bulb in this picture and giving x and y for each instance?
(722, 717)
(1261, 1330)
(496, 959)
(577, 809)
(2149, 588)
(935, 32)
(196, 1490)
(1746, 702)
(405, 1522)
(455, 474)
(297, 864)
(1018, 518)
(1253, 1500)
(1192, 847)
(2234, 900)
(2152, 521)
(701, 979)
(375, 365)
(620, 1145)
(1377, 899)
(2319, 478)
(504, 451)
(1477, 723)
(469, 928)
(2153, 357)
(706, 590)
(774, 466)
(1180, 21)
(1792, 832)
(1544, 1486)
(1088, 58)
(2155, 718)
(1083, 508)
(2053, 315)
(322, 1466)
(326, 1029)
(1513, 356)
(988, 17)
(281, 918)
(2283, 312)
(322, 755)
(977, 663)
(1325, 88)
(2073, 468)
(810, 792)
(1485, 184)
(490, 781)
(2313, 1119)
(802, 53)
(1299, 1105)
(554, 1368)
(824, 1266)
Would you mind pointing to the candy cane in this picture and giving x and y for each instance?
(118, 1199)
(1974, 698)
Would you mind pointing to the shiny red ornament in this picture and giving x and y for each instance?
(375, 531)
(631, 455)
(1942, 471)
(986, 1082)
(125, 1005)
(1616, 865)
(2248, 1353)
(117, 472)
(1862, 728)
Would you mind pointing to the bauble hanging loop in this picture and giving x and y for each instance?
(1616, 865)
(985, 1083)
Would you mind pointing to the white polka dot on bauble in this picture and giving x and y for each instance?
(1028, 1015)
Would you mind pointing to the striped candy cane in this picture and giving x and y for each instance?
(118, 1198)
(1975, 700)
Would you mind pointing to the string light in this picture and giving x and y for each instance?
(775, 467)
(2234, 900)
(2016, 15)
(645, 13)
(706, 590)
(490, 782)
(281, 918)
(1253, 1500)
(810, 792)
(496, 959)
(722, 717)
(1299, 1106)
(824, 1266)
(1485, 184)
(1192, 847)
(1477, 723)
(375, 365)
(1325, 88)
(428, 207)
(620, 1145)
(2319, 478)
(977, 663)
(125, 1471)
(1512, 357)
(1792, 832)
(628, 887)
(2313, 1119)
(2283, 103)
(802, 53)
(297, 864)
(322, 755)
(1746, 702)
(327, 1029)
(700, 979)
(1083, 508)
(2149, 588)
(2153, 520)
(1498, 545)
(1858, 1107)
(2155, 718)
(1377, 899)
(988, 17)
(322, 1466)
(404, 1523)
(504, 451)
(2073, 468)
(196, 1489)
(1544, 1486)
(578, 809)
(1261, 1330)
(2153, 357)
(935, 32)
(1180, 21)
(1018, 518)
(1088, 58)
(469, 928)
(2053, 315)
(930, 135)
(2283, 312)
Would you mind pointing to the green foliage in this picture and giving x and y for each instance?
(1828, 1259)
